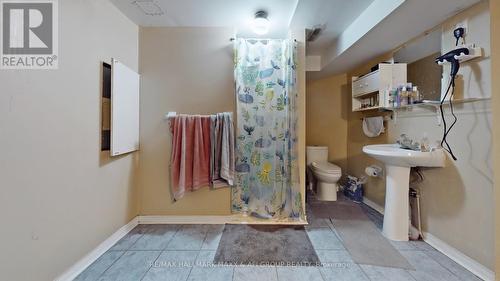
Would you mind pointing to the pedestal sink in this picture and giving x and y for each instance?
(398, 162)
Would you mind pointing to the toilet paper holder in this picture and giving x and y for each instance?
(374, 171)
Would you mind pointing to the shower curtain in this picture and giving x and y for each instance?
(267, 177)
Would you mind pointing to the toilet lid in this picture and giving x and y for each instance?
(327, 167)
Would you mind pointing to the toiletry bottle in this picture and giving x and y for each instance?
(403, 97)
(417, 95)
(411, 97)
(392, 98)
(398, 97)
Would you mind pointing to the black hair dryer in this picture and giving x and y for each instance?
(450, 57)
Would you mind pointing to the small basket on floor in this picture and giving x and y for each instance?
(353, 188)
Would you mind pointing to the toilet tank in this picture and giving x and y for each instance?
(316, 154)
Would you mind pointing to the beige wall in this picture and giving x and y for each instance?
(457, 204)
(356, 159)
(495, 73)
(60, 197)
(327, 116)
(186, 70)
(457, 201)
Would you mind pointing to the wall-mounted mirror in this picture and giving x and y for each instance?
(422, 70)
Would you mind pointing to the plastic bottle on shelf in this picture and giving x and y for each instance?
(411, 97)
(409, 86)
(398, 97)
(418, 98)
(392, 98)
(403, 97)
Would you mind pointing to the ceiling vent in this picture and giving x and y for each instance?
(313, 33)
(148, 7)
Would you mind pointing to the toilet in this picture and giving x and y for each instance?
(326, 174)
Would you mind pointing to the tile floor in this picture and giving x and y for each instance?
(185, 252)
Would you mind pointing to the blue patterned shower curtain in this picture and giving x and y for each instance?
(267, 179)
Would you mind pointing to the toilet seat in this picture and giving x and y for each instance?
(327, 168)
(323, 174)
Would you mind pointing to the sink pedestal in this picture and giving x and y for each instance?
(396, 213)
(397, 164)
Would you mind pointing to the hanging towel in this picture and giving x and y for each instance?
(227, 149)
(190, 157)
(215, 155)
(373, 126)
(222, 156)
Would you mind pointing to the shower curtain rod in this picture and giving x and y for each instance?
(232, 39)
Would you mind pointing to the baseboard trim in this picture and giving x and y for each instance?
(184, 219)
(373, 205)
(470, 264)
(77, 268)
(229, 219)
(72, 272)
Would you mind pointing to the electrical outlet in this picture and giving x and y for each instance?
(464, 24)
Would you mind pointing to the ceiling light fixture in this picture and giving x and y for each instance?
(260, 23)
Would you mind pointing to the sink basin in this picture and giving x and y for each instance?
(392, 154)
(398, 162)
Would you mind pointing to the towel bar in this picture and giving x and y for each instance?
(170, 115)
(173, 114)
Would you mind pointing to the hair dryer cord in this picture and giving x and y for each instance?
(447, 130)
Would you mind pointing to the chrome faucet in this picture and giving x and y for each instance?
(406, 143)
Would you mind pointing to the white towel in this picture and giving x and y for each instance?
(373, 126)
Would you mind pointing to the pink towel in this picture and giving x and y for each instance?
(190, 158)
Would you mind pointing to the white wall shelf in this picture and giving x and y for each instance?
(474, 52)
(371, 91)
(434, 105)
(370, 108)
